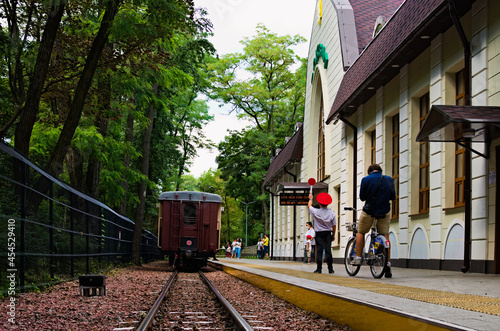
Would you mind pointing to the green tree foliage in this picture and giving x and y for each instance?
(243, 162)
(232, 218)
(265, 84)
(271, 89)
(103, 93)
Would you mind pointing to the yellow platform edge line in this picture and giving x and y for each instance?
(356, 315)
(486, 305)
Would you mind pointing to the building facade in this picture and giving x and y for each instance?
(413, 86)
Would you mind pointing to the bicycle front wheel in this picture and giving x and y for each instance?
(350, 253)
(379, 262)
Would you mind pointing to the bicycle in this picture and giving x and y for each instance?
(375, 252)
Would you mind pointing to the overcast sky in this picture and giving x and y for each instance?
(233, 20)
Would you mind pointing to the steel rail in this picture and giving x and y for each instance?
(240, 321)
(146, 322)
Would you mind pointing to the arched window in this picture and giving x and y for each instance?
(379, 24)
(419, 248)
(454, 247)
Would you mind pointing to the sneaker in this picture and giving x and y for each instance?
(317, 271)
(356, 261)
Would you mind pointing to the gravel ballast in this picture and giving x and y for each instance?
(131, 291)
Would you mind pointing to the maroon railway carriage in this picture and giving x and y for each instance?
(189, 227)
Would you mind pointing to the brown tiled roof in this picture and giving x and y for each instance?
(291, 152)
(366, 13)
(397, 44)
(473, 114)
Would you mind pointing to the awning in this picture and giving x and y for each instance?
(296, 186)
(446, 123)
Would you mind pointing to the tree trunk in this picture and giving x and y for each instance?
(74, 162)
(101, 122)
(129, 134)
(227, 217)
(29, 111)
(182, 164)
(139, 219)
(55, 165)
(94, 166)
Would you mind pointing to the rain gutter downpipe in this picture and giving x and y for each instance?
(294, 221)
(355, 159)
(467, 142)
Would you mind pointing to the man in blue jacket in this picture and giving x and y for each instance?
(377, 191)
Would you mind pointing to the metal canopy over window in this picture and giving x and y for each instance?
(299, 186)
(447, 123)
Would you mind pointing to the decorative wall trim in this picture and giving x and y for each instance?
(347, 30)
(320, 53)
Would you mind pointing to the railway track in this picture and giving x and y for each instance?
(189, 301)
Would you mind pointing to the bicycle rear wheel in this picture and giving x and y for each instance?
(350, 253)
(379, 262)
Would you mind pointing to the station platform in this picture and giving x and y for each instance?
(413, 299)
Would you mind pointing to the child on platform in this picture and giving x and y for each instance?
(308, 248)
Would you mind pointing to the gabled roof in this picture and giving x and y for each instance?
(366, 13)
(291, 153)
(400, 41)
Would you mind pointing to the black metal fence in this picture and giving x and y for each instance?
(52, 232)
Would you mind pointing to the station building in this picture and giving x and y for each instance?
(413, 86)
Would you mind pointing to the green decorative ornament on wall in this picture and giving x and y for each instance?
(320, 53)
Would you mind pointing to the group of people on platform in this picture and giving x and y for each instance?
(263, 248)
(233, 250)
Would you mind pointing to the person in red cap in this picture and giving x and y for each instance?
(325, 226)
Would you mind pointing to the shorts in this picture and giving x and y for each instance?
(366, 221)
(309, 253)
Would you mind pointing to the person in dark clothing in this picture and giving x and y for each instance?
(325, 225)
(377, 191)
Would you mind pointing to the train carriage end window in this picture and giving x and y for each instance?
(190, 214)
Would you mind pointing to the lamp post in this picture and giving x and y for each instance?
(246, 218)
